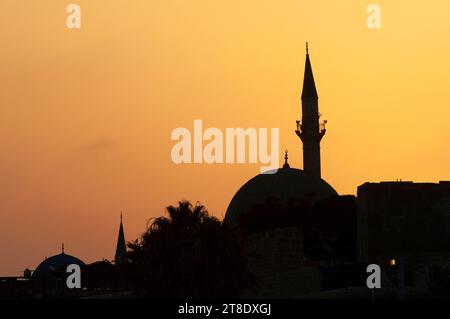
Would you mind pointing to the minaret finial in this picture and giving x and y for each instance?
(120, 216)
(286, 164)
(307, 48)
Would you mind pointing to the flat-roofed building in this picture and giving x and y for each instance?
(404, 219)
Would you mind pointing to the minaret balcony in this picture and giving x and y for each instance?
(300, 130)
(299, 127)
(322, 127)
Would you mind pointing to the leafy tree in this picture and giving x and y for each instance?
(100, 274)
(188, 254)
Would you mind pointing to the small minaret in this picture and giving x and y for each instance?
(121, 249)
(310, 130)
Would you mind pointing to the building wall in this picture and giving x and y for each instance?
(276, 259)
(404, 219)
(275, 251)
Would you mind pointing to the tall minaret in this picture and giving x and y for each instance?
(121, 249)
(309, 129)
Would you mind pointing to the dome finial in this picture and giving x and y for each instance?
(62, 248)
(286, 164)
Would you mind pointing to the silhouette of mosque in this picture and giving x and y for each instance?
(54, 268)
(290, 185)
(302, 238)
(48, 280)
(274, 213)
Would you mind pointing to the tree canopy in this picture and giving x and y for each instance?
(188, 253)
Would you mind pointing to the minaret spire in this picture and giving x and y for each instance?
(121, 249)
(309, 85)
(310, 130)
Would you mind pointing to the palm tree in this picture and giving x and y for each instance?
(189, 254)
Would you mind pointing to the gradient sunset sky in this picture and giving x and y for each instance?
(86, 115)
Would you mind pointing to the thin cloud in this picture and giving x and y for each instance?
(99, 146)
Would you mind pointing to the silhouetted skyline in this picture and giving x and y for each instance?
(86, 114)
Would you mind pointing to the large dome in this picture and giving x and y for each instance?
(285, 185)
(55, 267)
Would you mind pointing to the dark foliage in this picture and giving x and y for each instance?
(188, 254)
(100, 274)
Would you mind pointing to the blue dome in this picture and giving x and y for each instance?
(55, 266)
(286, 184)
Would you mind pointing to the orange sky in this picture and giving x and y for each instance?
(86, 115)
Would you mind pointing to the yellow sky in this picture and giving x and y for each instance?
(86, 115)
